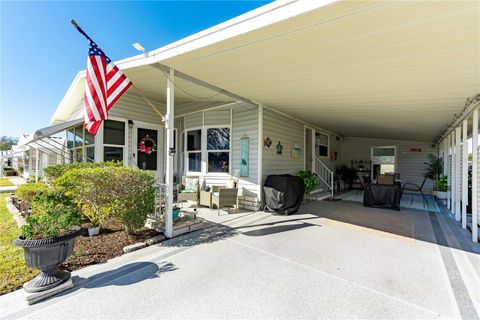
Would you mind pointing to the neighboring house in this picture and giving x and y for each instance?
(31, 157)
(298, 85)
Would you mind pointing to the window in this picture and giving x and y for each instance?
(218, 149)
(194, 150)
(322, 143)
(383, 160)
(113, 140)
(77, 139)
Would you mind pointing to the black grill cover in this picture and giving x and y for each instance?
(288, 195)
(382, 196)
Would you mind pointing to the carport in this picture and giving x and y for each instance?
(390, 70)
(374, 70)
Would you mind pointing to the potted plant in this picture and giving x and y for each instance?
(48, 239)
(309, 179)
(434, 170)
(348, 175)
(441, 187)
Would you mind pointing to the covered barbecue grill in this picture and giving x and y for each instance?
(283, 193)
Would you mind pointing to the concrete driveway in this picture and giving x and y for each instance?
(333, 260)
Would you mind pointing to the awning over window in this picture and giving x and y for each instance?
(49, 131)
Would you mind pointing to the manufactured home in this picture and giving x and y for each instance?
(300, 85)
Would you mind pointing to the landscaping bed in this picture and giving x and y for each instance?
(108, 244)
(13, 270)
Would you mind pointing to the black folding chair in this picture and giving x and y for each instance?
(416, 188)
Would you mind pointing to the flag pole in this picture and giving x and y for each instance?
(140, 93)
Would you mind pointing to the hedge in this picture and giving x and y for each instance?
(126, 195)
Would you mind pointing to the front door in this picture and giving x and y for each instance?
(147, 149)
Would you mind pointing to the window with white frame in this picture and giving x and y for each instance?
(113, 140)
(194, 150)
(79, 141)
(322, 141)
(218, 149)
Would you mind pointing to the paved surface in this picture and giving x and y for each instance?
(16, 181)
(333, 260)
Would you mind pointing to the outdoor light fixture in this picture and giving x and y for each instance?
(139, 47)
(172, 151)
(130, 124)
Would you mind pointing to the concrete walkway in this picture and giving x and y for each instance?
(16, 181)
(332, 260)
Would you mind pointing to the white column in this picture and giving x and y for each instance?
(464, 173)
(453, 174)
(449, 170)
(458, 136)
(445, 156)
(474, 176)
(37, 162)
(260, 152)
(169, 126)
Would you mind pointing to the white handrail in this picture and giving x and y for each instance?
(325, 174)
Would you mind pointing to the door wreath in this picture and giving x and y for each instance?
(147, 145)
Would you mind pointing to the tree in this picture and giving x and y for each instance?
(6, 143)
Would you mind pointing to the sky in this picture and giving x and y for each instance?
(40, 51)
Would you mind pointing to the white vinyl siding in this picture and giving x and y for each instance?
(217, 118)
(245, 124)
(194, 120)
(133, 107)
(288, 132)
(410, 164)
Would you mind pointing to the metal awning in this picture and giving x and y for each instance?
(49, 131)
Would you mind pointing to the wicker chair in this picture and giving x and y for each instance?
(187, 196)
(225, 197)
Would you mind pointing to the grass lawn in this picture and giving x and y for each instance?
(13, 270)
(4, 182)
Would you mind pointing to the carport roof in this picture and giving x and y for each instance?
(379, 69)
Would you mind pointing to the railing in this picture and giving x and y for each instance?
(325, 174)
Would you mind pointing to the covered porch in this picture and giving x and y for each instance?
(312, 86)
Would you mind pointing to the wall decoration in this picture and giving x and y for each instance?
(297, 150)
(333, 155)
(267, 142)
(279, 148)
(147, 145)
(244, 156)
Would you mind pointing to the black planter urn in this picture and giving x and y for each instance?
(46, 255)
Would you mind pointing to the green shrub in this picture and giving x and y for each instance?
(26, 192)
(54, 172)
(51, 200)
(9, 172)
(126, 195)
(50, 224)
(135, 197)
(309, 179)
(441, 184)
(91, 190)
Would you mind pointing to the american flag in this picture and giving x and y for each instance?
(105, 83)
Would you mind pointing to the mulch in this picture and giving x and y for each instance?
(100, 248)
(104, 246)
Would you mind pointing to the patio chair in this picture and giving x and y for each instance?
(416, 188)
(225, 197)
(362, 183)
(189, 189)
